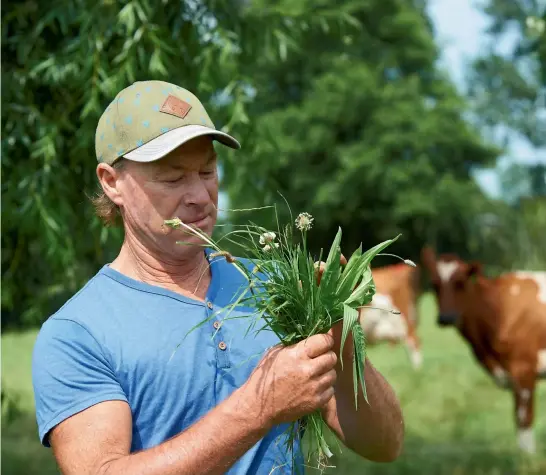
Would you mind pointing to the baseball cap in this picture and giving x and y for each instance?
(149, 119)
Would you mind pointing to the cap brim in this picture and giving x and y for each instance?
(167, 142)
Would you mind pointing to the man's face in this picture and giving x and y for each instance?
(184, 185)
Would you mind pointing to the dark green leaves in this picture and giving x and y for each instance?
(65, 62)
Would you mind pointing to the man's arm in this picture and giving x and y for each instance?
(375, 431)
(97, 442)
(285, 385)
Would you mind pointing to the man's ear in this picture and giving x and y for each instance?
(108, 178)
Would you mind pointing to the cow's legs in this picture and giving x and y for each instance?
(414, 351)
(412, 343)
(523, 379)
(490, 364)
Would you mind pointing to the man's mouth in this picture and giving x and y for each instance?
(199, 222)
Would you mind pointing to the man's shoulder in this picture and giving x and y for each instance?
(85, 302)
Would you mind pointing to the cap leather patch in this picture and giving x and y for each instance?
(175, 106)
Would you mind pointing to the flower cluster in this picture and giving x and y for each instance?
(267, 240)
(304, 221)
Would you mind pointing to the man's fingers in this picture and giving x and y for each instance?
(316, 345)
(324, 363)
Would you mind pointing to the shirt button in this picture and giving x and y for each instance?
(222, 345)
(209, 305)
(216, 325)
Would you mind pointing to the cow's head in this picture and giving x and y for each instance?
(450, 277)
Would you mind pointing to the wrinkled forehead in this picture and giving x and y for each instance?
(447, 267)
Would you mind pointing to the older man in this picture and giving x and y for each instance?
(112, 397)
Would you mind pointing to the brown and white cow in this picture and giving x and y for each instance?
(504, 321)
(393, 316)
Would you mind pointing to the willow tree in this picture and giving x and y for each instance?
(63, 62)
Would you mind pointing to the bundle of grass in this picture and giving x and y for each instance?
(293, 299)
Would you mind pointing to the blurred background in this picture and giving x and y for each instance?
(426, 118)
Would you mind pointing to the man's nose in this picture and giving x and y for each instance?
(196, 192)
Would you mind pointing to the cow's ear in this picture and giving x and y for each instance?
(474, 269)
(428, 258)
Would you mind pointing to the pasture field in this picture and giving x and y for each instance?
(457, 421)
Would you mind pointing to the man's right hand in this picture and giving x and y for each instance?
(290, 382)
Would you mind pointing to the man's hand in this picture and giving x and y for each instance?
(290, 382)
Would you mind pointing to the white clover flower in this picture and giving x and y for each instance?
(304, 221)
(267, 238)
(268, 247)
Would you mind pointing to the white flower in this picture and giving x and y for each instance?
(266, 238)
(304, 221)
(268, 247)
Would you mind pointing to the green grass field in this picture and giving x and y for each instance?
(458, 422)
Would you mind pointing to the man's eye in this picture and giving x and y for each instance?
(173, 180)
(208, 172)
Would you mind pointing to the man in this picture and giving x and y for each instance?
(112, 395)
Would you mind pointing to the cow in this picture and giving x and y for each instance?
(392, 316)
(503, 319)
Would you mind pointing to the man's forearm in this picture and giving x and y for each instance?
(375, 430)
(209, 447)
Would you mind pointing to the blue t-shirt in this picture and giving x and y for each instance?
(114, 340)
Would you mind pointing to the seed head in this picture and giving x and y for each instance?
(227, 255)
(304, 221)
(173, 223)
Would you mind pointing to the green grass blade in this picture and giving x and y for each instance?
(332, 268)
(371, 253)
(350, 316)
(364, 292)
(359, 341)
(350, 275)
(355, 377)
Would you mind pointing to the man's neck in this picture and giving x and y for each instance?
(190, 277)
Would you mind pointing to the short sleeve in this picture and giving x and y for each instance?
(70, 373)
